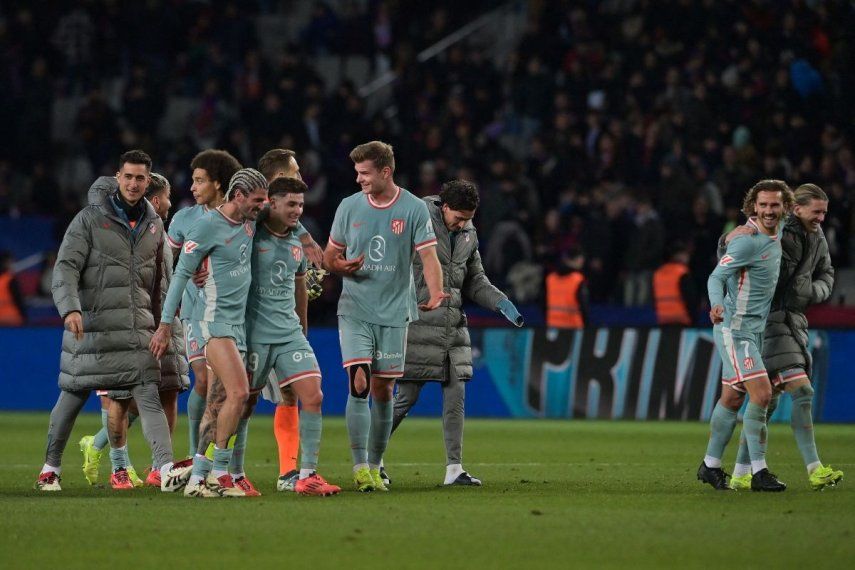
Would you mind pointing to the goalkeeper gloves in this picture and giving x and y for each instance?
(314, 282)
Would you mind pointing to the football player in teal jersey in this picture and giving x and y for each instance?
(375, 235)
(222, 240)
(276, 325)
(212, 171)
(740, 289)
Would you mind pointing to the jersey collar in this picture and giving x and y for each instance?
(385, 206)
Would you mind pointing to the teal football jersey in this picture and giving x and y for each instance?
(744, 280)
(382, 292)
(182, 221)
(270, 310)
(225, 246)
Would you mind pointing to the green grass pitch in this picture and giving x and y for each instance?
(558, 494)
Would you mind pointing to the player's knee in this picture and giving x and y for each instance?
(382, 389)
(732, 400)
(313, 400)
(239, 394)
(761, 398)
(358, 379)
(804, 392)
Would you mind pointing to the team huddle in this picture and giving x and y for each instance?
(769, 271)
(235, 308)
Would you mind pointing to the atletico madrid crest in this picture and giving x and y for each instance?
(397, 227)
(297, 253)
(748, 363)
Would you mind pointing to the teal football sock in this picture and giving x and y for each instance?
(358, 419)
(742, 457)
(381, 430)
(222, 457)
(801, 420)
(754, 427)
(101, 438)
(722, 424)
(119, 458)
(311, 425)
(195, 411)
(236, 463)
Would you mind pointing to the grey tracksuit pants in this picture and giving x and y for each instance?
(453, 399)
(69, 404)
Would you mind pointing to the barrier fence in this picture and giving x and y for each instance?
(598, 373)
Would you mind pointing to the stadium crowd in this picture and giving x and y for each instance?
(610, 128)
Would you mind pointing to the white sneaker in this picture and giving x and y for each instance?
(288, 482)
(200, 490)
(48, 481)
(174, 478)
(223, 486)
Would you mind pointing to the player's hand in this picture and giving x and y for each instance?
(74, 323)
(435, 301)
(745, 230)
(344, 266)
(717, 314)
(160, 340)
(200, 276)
(313, 252)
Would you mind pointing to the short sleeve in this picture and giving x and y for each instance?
(339, 226)
(423, 234)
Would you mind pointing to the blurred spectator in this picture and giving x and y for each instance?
(675, 294)
(12, 312)
(567, 292)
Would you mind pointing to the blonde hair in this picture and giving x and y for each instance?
(807, 192)
(767, 186)
(378, 152)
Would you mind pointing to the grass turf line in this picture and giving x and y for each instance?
(557, 494)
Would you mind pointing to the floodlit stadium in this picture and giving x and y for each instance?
(380, 283)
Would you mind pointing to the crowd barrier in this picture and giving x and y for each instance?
(599, 373)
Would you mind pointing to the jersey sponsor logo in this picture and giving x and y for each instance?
(297, 253)
(190, 246)
(377, 248)
(243, 255)
(298, 356)
(725, 260)
(397, 226)
(249, 229)
(380, 355)
(278, 273)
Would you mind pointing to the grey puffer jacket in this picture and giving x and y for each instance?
(112, 276)
(806, 277)
(442, 334)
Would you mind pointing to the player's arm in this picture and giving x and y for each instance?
(175, 235)
(70, 261)
(192, 255)
(301, 300)
(740, 253)
(433, 278)
(823, 275)
(334, 260)
(313, 251)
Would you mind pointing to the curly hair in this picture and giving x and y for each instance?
(219, 164)
(767, 186)
(459, 195)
